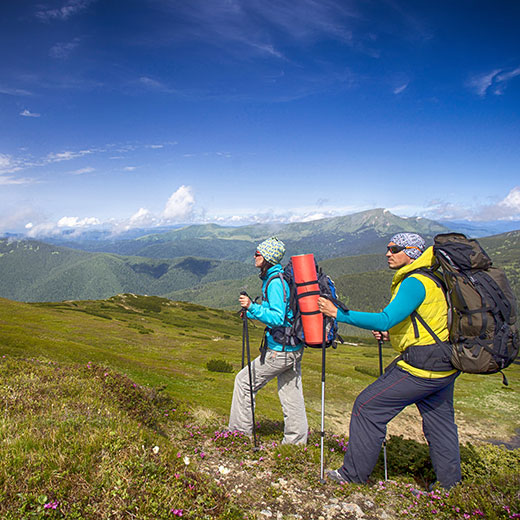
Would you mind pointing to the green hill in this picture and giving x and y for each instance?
(109, 411)
(363, 282)
(35, 271)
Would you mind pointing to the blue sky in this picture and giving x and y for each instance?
(149, 112)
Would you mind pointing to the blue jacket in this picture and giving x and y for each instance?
(274, 311)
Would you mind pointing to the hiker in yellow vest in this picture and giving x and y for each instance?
(421, 375)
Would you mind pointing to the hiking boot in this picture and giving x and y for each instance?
(335, 475)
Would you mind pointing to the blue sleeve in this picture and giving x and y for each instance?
(410, 295)
(271, 312)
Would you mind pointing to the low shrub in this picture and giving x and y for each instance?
(219, 365)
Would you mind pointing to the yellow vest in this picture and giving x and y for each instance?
(434, 311)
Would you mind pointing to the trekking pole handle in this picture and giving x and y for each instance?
(243, 293)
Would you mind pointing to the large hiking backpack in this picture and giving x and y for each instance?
(294, 335)
(481, 306)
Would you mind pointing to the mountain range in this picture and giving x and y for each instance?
(365, 232)
(209, 264)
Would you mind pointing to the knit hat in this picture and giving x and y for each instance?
(413, 240)
(272, 250)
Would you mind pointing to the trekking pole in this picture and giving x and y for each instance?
(380, 345)
(245, 345)
(322, 433)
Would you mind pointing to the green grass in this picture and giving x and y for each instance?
(168, 344)
(88, 389)
(85, 442)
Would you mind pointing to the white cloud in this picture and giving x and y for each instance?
(153, 84)
(66, 156)
(76, 222)
(13, 219)
(27, 113)
(14, 91)
(255, 24)
(512, 201)
(180, 205)
(10, 165)
(129, 168)
(143, 218)
(82, 171)
(4, 181)
(69, 8)
(400, 89)
(506, 76)
(62, 50)
(41, 229)
(149, 82)
(495, 81)
(506, 209)
(6, 164)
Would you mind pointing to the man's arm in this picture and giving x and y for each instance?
(410, 295)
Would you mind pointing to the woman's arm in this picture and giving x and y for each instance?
(272, 312)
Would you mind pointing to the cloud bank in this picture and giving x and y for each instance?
(506, 209)
(181, 208)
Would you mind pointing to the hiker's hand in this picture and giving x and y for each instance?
(381, 335)
(245, 301)
(327, 307)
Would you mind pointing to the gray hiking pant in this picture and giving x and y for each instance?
(382, 401)
(286, 366)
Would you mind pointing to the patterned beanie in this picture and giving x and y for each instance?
(272, 250)
(410, 240)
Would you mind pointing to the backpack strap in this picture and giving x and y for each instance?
(269, 280)
(489, 287)
(431, 274)
(416, 316)
(282, 280)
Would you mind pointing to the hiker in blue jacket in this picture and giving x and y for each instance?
(420, 375)
(276, 359)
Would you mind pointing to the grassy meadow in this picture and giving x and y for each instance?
(109, 411)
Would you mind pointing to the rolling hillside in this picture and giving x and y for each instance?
(110, 410)
(162, 342)
(35, 271)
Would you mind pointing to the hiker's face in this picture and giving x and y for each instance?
(259, 259)
(397, 260)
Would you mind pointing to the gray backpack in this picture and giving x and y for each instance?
(481, 306)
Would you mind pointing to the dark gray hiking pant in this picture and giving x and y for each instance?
(382, 401)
